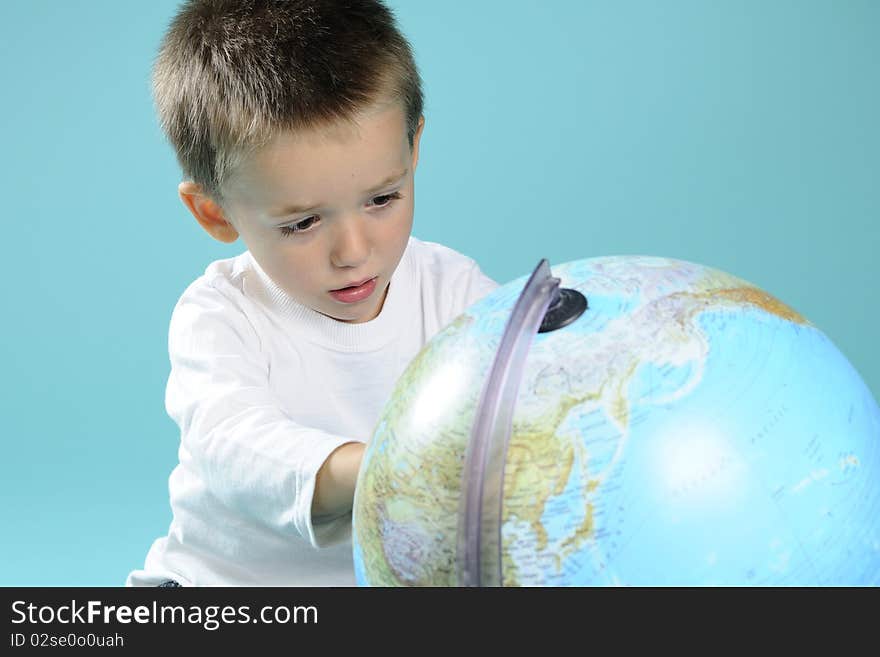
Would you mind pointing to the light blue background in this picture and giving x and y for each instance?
(741, 135)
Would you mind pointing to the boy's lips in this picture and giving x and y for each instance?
(356, 292)
(355, 284)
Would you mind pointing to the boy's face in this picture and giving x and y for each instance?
(323, 209)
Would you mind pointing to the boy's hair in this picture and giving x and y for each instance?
(230, 74)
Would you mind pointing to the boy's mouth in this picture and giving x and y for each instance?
(353, 285)
(356, 292)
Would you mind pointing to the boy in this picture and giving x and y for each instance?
(297, 126)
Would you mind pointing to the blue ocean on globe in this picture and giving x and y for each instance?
(687, 429)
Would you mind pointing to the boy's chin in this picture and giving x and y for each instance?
(354, 317)
(355, 320)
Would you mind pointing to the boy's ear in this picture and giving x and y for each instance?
(207, 212)
(416, 138)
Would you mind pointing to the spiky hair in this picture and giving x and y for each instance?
(230, 74)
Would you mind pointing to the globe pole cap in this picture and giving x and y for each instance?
(567, 306)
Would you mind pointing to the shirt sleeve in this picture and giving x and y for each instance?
(235, 435)
(477, 285)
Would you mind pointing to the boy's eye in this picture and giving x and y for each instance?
(299, 226)
(384, 199)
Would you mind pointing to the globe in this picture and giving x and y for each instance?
(673, 425)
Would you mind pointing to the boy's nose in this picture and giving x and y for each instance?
(351, 247)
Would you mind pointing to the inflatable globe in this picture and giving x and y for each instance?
(624, 421)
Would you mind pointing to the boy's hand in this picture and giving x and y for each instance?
(334, 486)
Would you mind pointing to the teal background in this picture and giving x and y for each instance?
(742, 135)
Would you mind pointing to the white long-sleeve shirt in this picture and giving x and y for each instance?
(263, 389)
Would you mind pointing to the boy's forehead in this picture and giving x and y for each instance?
(382, 119)
(297, 164)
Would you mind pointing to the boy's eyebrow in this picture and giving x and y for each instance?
(297, 209)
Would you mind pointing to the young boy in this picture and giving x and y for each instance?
(297, 126)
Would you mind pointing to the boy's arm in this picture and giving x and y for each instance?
(334, 485)
(236, 437)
